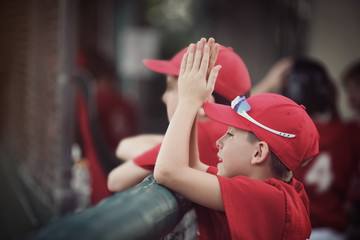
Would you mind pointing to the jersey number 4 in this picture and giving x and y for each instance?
(320, 174)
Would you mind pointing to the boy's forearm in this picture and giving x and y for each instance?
(194, 87)
(194, 158)
(174, 151)
(172, 169)
(131, 147)
(126, 176)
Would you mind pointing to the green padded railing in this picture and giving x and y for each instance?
(147, 211)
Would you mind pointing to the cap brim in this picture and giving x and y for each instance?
(161, 66)
(226, 115)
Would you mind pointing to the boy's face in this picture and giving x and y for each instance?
(235, 153)
(170, 96)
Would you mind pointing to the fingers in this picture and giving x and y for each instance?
(195, 83)
(212, 77)
(200, 58)
(205, 60)
(183, 64)
(211, 42)
(213, 54)
(190, 57)
(197, 60)
(203, 41)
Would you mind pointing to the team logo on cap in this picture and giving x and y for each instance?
(241, 106)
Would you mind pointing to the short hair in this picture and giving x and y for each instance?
(278, 168)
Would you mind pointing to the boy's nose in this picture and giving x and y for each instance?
(219, 143)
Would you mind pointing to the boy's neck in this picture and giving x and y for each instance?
(263, 173)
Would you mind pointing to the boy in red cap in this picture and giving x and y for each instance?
(233, 79)
(327, 178)
(252, 187)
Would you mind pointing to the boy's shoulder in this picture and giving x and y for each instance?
(244, 189)
(281, 208)
(271, 193)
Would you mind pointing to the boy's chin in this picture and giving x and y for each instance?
(220, 169)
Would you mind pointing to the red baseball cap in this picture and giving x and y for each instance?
(233, 78)
(280, 122)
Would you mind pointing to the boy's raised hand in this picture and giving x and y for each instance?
(195, 82)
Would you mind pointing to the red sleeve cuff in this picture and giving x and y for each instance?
(212, 170)
(147, 160)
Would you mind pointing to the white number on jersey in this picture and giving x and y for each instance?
(320, 173)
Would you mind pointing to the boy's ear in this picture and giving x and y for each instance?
(261, 153)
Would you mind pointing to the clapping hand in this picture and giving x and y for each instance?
(198, 75)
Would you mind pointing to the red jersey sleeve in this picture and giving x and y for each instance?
(147, 160)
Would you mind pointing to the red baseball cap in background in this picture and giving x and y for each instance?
(280, 122)
(233, 78)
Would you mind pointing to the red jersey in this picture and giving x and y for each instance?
(269, 209)
(254, 209)
(327, 178)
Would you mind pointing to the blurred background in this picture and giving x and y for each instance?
(52, 50)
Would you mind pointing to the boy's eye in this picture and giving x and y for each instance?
(229, 134)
